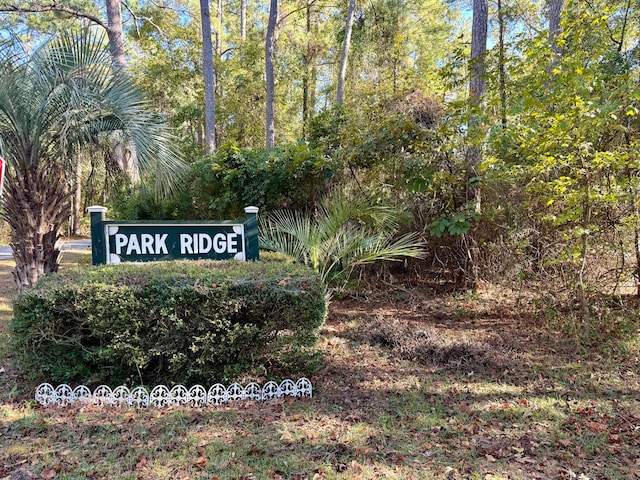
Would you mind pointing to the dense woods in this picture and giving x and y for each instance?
(504, 131)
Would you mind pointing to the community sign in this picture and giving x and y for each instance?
(127, 241)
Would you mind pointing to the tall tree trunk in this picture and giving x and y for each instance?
(36, 205)
(477, 86)
(345, 51)
(219, 29)
(270, 82)
(209, 79)
(308, 57)
(124, 155)
(555, 14)
(477, 70)
(243, 20)
(502, 83)
(114, 33)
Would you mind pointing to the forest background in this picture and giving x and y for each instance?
(506, 131)
(502, 134)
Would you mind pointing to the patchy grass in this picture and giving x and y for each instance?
(413, 386)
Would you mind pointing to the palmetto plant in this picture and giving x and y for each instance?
(346, 231)
(54, 101)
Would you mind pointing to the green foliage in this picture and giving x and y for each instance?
(138, 203)
(456, 224)
(169, 322)
(396, 46)
(65, 97)
(291, 176)
(571, 127)
(220, 187)
(346, 231)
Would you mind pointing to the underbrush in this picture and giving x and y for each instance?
(429, 346)
(613, 327)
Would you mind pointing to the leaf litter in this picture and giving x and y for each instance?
(413, 385)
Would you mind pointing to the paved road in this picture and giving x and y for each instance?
(5, 250)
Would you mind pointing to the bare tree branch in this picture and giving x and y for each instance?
(181, 11)
(134, 16)
(296, 10)
(52, 7)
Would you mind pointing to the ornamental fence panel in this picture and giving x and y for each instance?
(162, 396)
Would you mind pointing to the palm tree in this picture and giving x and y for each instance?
(64, 97)
(346, 231)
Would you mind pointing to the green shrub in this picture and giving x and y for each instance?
(221, 186)
(170, 322)
(292, 176)
(139, 203)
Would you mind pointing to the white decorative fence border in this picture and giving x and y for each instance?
(161, 396)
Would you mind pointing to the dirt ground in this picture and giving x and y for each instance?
(417, 381)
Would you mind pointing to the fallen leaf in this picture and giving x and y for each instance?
(201, 462)
(48, 474)
(585, 411)
(142, 462)
(286, 437)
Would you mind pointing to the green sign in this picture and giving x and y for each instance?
(124, 241)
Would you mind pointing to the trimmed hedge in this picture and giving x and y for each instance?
(169, 322)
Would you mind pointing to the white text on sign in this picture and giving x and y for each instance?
(199, 243)
(143, 244)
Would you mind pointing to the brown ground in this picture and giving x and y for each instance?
(416, 383)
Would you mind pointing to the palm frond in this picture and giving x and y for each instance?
(341, 235)
(67, 93)
(288, 232)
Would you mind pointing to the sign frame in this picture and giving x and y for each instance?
(116, 241)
